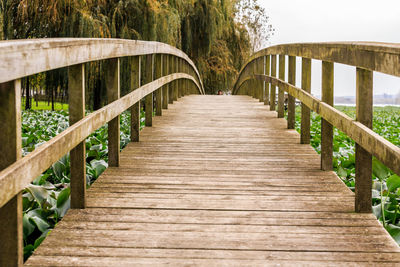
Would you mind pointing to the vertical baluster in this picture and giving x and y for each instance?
(260, 83)
(171, 84)
(76, 90)
(254, 86)
(267, 68)
(158, 74)
(11, 251)
(149, 72)
(281, 93)
(364, 108)
(177, 83)
(291, 99)
(113, 93)
(165, 88)
(272, 99)
(135, 109)
(182, 82)
(326, 127)
(305, 111)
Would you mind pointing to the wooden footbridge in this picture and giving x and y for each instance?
(215, 180)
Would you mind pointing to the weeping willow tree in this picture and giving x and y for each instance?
(209, 31)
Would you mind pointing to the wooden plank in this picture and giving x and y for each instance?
(15, 178)
(149, 72)
(364, 109)
(76, 90)
(158, 72)
(222, 190)
(305, 111)
(135, 109)
(291, 107)
(267, 70)
(11, 246)
(326, 127)
(273, 87)
(166, 71)
(113, 93)
(49, 54)
(281, 92)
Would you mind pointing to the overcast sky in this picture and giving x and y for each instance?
(337, 20)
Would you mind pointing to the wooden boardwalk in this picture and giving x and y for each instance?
(218, 180)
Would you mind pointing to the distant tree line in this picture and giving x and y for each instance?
(218, 35)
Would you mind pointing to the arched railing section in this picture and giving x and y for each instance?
(169, 74)
(258, 79)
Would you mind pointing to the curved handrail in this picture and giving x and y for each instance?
(374, 56)
(21, 58)
(15, 177)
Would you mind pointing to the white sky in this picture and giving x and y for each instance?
(337, 20)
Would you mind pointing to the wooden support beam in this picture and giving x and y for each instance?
(11, 246)
(76, 91)
(281, 93)
(135, 109)
(364, 110)
(291, 100)
(172, 84)
(177, 83)
(182, 82)
(165, 93)
(113, 93)
(149, 72)
(305, 111)
(158, 74)
(260, 84)
(326, 127)
(267, 70)
(272, 99)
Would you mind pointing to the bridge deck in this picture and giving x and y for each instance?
(218, 180)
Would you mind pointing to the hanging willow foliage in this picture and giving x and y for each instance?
(204, 29)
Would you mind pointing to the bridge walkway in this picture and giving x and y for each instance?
(218, 180)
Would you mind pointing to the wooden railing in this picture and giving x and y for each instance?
(169, 74)
(258, 79)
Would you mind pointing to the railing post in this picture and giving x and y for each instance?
(267, 68)
(113, 93)
(76, 90)
(305, 111)
(364, 108)
(171, 84)
(281, 93)
(260, 83)
(149, 98)
(272, 99)
(182, 82)
(177, 83)
(291, 99)
(165, 88)
(254, 86)
(11, 244)
(326, 127)
(135, 109)
(158, 74)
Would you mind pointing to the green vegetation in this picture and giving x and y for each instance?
(44, 105)
(47, 199)
(386, 185)
(219, 35)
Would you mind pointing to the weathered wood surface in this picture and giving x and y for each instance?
(17, 176)
(218, 180)
(41, 55)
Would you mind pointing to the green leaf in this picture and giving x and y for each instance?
(28, 250)
(59, 169)
(379, 170)
(341, 172)
(99, 166)
(41, 224)
(393, 182)
(63, 197)
(394, 231)
(28, 228)
(39, 193)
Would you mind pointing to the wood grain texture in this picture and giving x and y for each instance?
(202, 188)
